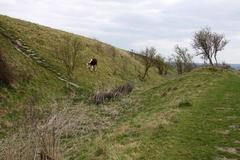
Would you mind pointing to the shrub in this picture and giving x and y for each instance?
(101, 97)
(183, 60)
(68, 52)
(161, 65)
(123, 89)
(148, 56)
(6, 73)
(184, 103)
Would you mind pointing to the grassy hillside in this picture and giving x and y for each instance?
(114, 67)
(192, 116)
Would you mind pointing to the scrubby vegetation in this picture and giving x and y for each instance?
(161, 65)
(148, 56)
(6, 72)
(69, 50)
(183, 60)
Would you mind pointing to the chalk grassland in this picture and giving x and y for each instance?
(192, 116)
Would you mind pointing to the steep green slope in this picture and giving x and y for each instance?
(33, 81)
(40, 71)
(195, 116)
(115, 65)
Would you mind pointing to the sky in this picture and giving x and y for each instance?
(136, 24)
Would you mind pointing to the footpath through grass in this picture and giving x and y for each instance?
(210, 129)
(196, 116)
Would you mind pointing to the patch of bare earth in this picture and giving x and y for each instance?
(224, 158)
(230, 150)
(225, 132)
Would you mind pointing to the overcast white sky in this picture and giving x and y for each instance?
(135, 24)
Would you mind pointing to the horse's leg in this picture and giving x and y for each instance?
(88, 66)
(92, 68)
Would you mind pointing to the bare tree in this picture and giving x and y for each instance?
(183, 60)
(148, 60)
(68, 51)
(179, 64)
(219, 42)
(208, 44)
(161, 65)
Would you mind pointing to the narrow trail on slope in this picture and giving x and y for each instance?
(24, 49)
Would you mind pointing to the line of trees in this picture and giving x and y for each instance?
(206, 43)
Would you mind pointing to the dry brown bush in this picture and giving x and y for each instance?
(101, 97)
(123, 89)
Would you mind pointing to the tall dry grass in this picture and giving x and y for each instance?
(47, 138)
(34, 141)
(40, 138)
